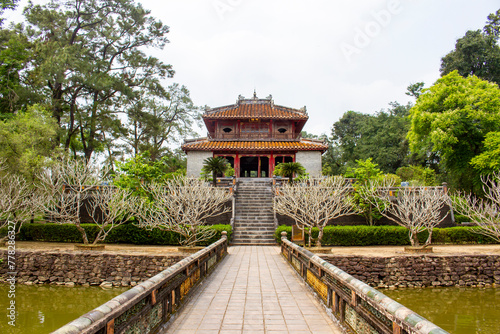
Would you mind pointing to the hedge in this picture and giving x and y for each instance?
(126, 233)
(362, 235)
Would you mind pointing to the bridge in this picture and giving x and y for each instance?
(252, 289)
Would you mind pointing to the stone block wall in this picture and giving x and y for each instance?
(85, 268)
(421, 271)
(311, 160)
(195, 162)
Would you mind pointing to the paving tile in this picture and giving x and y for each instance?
(252, 291)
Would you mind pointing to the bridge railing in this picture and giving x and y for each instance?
(148, 306)
(356, 305)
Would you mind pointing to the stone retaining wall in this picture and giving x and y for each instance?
(85, 268)
(421, 271)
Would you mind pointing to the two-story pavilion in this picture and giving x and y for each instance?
(254, 135)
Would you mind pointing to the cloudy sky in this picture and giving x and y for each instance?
(328, 55)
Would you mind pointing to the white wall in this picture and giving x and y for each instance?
(195, 162)
(311, 160)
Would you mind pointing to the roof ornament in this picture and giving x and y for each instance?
(304, 110)
(254, 94)
(207, 108)
(270, 97)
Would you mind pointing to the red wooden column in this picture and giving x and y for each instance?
(237, 165)
(271, 165)
(258, 168)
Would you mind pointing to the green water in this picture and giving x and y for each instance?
(456, 310)
(43, 309)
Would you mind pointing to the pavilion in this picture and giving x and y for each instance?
(254, 135)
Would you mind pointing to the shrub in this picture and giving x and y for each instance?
(362, 235)
(126, 233)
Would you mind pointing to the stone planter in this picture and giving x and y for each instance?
(90, 247)
(189, 250)
(418, 250)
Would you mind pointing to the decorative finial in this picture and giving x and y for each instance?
(254, 94)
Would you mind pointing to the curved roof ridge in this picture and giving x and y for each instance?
(259, 108)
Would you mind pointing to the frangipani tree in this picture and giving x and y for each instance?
(315, 203)
(19, 201)
(182, 205)
(484, 212)
(68, 186)
(416, 208)
(109, 206)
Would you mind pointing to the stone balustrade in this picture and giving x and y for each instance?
(356, 305)
(148, 306)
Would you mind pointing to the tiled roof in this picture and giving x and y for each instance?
(214, 145)
(255, 108)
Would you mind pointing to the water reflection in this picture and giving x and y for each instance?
(42, 309)
(457, 310)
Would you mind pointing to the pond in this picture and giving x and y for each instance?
(45, 308)
(456, 310)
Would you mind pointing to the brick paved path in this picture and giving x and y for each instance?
(253, 291)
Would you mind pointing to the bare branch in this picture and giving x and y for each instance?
(315, 203)
(484, 212)
(18, 201)
(109, 207)
(416, 208)
(66, 187)
(182, 205)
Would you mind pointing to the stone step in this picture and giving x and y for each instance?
(263, 190)
(241, 229)
(251, 219)
(255, 235)
(253, 225)
(253, 243)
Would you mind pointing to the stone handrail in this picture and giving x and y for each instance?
(148, 306)
(355, 304)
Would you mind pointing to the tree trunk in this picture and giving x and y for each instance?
(429, 238)
(320, 236)
(414, 238)
(370, 217)
(214, 178)
(84, 234)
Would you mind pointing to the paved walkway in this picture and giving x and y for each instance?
(253, 291)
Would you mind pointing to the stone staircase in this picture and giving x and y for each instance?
(254, 214)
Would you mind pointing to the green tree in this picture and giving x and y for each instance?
(451, 119)
(492, 27)
(153, 122)
(365, 172)
(418, 175)
(415, 89)
(215, 165)
(15, 53)
(89, 59)
(381, 137)
(477, 53)
(7, 4)
(488, 162)
(27, 140)
(141, 169)
(289, 169)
